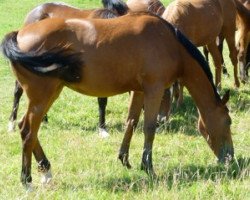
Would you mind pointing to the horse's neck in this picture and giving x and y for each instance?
(200, 89)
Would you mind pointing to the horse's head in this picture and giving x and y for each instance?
(217, 131)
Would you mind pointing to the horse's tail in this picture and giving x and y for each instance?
(116, 5)
(58, 62)
(195, 53)
(243, 12)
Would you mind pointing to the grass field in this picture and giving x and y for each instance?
(86, 167)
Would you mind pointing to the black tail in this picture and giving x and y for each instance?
(57, 62)
(116, 5)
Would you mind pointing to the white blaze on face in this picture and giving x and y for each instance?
(87, 28)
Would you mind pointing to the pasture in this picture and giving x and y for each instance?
(86, 167)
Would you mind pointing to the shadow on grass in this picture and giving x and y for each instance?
(239, 100)
(182, 119)
(179, 176)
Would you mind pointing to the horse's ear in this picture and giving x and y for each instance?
(225, 98)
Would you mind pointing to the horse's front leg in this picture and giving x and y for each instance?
(135, 107)
(152, 101)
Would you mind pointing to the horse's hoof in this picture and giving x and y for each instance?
(237, 84)
(11, 126)
(103, 133)
(29, 187)
(150, 172)
(46, 177)
(124, 159)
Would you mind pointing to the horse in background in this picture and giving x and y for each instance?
(77, 53)
(243, 36)
(194, 19)
(60, 10)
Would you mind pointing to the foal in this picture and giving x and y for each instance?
(91, 57)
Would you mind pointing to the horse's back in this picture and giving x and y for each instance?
(195, 18)
(38, 34)
(59, 10)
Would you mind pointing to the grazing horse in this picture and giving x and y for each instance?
(202, 21)
(243, 36)
(59, 10)
(91, 57)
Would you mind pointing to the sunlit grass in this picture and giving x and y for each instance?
(86, 167)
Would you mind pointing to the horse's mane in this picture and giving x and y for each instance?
(116, 6)
(196, 54)
(103, 13)
(190, 47)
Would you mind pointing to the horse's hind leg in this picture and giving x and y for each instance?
(152, 99)
(233, 56)
(39, 104)
(220, 47)
(43, 163)
(17, 95)
(102, 103)
(217, 60)
(135, 107)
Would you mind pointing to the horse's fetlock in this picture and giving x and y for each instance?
(43, 165)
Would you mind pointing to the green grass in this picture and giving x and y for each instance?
(86, 167)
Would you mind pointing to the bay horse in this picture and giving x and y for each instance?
(202, 21)
(243, 36)
(91, 57)
(60, 10)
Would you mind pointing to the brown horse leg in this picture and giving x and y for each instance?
(102, 103)
(152, 100)
(180, 98)
(17, 95)
(165, 106)
(217, 59)
(242, 58)
(28, 131)
(43, 163)
(220, 47)
(233, 56)
(135, 107)
(38, 106)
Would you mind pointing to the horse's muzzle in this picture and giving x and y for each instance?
(226, 154)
